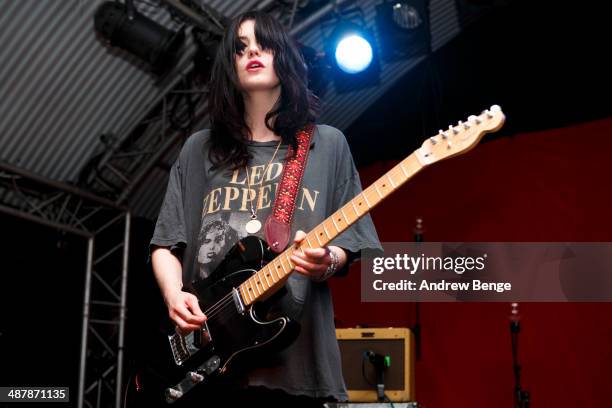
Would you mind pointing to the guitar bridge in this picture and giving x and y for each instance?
(178, 345)
(183, 347)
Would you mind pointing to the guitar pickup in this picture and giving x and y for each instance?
(202, 337)
(237, 301)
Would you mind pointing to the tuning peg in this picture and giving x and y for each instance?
(433, 140)
(443, 134)
(466, 125)
(452, 129)
(474, 119)
(495, 108)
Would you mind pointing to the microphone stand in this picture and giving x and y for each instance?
(521, 397)
(416, 329)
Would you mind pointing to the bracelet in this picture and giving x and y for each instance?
(331, 269)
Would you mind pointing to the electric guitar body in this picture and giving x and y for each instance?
(234, 337)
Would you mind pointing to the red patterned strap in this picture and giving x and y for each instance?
(277, 229)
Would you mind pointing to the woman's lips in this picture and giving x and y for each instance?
(254, 65)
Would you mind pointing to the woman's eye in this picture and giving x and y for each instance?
(240, 48)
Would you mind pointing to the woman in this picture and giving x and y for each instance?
(258, 101)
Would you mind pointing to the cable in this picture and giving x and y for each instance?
(363, 360)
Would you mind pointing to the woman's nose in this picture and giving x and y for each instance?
(253, 50)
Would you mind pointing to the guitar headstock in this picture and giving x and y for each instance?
(460, 138)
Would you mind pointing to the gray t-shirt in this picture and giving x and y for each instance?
(205, 211)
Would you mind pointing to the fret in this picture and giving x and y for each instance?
(378, 191)
(318, 240)
(262, 282)
(301, 249)
(355, 209)
(325, 229)
(243, 294)
(250, 289)
(348, 222)
(366, 198)
(250, 293)
(335, 225)
(259, 292)
(391, 180)
(308, 241)
(273, 270)
(280, 261)
(265, 275)
(288, 259)
(404, 170)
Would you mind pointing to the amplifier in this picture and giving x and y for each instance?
(394, 345)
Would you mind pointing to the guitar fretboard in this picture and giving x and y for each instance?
(456, 140)
(271, 277)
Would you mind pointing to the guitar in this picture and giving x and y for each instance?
(250, 274)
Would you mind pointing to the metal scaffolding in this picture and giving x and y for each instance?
(106, 227)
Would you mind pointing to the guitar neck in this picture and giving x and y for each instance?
(272, 277)
(456, 140)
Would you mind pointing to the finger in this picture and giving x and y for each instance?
(315, 268)
(184, 313)
(316, 253)
(194, 306)
(182, 326)
(306, 272)
(299, 236)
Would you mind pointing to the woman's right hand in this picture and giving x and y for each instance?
(184, 310)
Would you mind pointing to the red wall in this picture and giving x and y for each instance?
(543, 186)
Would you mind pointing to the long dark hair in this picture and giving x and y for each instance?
(297, 105)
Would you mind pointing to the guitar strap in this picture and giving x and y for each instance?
(277, 229)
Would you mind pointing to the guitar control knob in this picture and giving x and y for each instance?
(195, 377)
(173, 394)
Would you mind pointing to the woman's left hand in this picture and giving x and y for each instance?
(313, 262)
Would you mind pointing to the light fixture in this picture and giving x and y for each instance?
(122, 26)
(352, 54)
(403, 28)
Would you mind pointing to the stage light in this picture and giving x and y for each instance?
(124, 27)
(353, 54)
(403, 28)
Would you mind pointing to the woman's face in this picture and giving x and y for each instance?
(255, 66)
(213, 242)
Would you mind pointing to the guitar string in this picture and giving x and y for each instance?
(221, 304)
